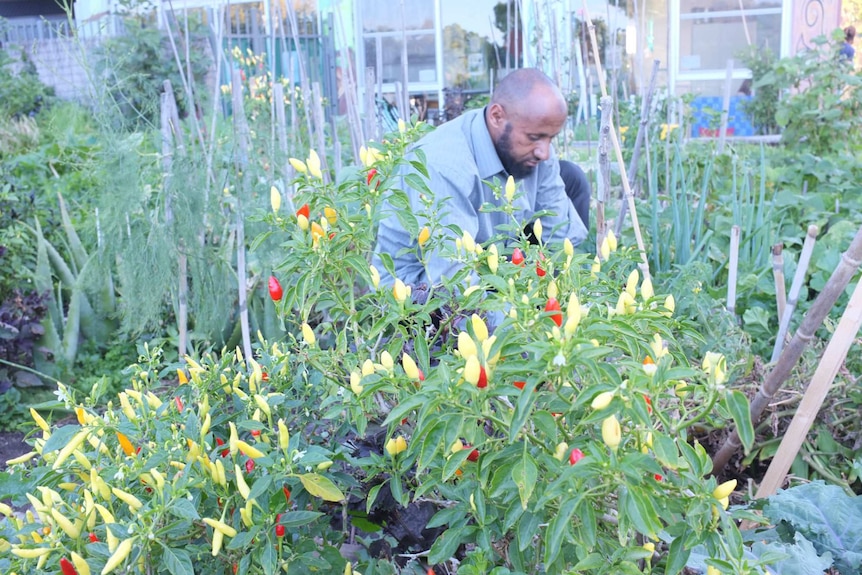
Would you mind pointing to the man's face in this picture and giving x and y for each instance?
(526, 141)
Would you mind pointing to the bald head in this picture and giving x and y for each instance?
(519, 86)
(526, 113)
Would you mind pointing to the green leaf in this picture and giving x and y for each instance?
(446, 545)
(827, 516)
(177, 561)
(528, 528)
(677, 556)
(557, 528)
(184, 509)
(299, 518)
(737, 405)
(522, 411)
(59, 438)
(320, 486)
(525, 474)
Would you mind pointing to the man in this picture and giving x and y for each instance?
(510, 136)
(847, 52)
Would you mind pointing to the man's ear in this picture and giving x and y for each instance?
(496, 117)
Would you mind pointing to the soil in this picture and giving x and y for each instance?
(11, 445)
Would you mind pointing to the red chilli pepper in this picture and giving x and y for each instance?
(255, 433)
(264, 376)
(483, 378)
(519, 384)
(370, 177)
(286, 492)
(648, 404)
(67, 568)
(553, 306)
(474, 455)
(225, 452)
(275, 291)
(279, 531)
(249, 466)
(179, 403)
(517, 257)
(304, 211)
(658, 477)
(575, 456)
(540, 271)
(93, 538)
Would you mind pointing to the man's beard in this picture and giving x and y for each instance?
(516, 169)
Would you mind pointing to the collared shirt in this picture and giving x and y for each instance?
(461, 158)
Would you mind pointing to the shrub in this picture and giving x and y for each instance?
(546, 436)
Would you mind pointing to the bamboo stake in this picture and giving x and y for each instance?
(844, 271)
(187, 86)
(405, 89)
(778, 276)
(806, 413)
(795, 288)
(351, 91)
(643, 128)
(320, 128)
(168, 109)
(725, 107)
(281, 130)
(303, 77)
(242, 137)
(734, 265)
(370, 108)
(602, 191)
(644, 265)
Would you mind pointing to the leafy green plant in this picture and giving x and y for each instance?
(21, 92)
(817, 525)
(545, 409)
(766, 89)
(138, 62)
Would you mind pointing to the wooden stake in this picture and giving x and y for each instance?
(778, 276)
(795, 288)
(241, 131)
(844, 271)
(814, 396)
(732, 272)
(603, 189)
(644, 265)
(725, 106)
(643, 128)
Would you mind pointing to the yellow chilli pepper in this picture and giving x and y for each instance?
(119, 555)
(133, 502)
(30, 553)
(80, 564)
(248, 450)
(64, 523)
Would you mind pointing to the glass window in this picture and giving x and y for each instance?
(386, 15)
(473, 40)
(707, 43)
(706, 6)
(421, 57)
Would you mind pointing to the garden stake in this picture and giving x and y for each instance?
(734, 266)
(171, 136)
(604, 186)
(778, 276)
(643, 128)
(370, 108)
(644, 265)
(281, 130)
(725, 107)
(841, 276)
(320, 127)
(241, 130)
(806, 413)
(303, 77)
(795, 288)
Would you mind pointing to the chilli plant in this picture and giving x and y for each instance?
(537, 399)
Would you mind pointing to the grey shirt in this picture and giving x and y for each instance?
(460, 159)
